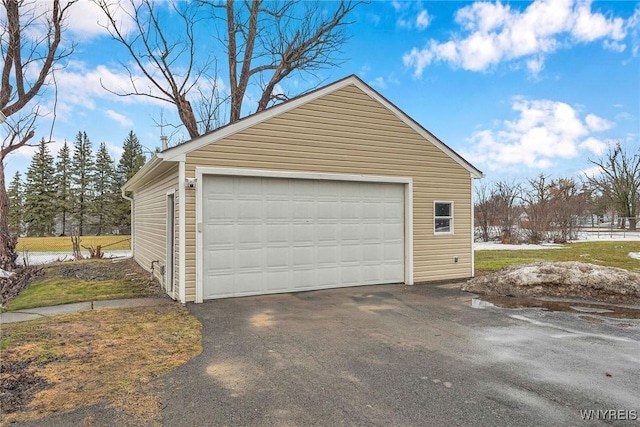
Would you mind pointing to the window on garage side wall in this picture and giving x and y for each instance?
(443, 217)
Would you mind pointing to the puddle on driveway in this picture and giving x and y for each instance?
(593, 310)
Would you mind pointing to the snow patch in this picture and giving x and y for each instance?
(634, 255)
(561, 279)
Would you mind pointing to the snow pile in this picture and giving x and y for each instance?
(561, 279)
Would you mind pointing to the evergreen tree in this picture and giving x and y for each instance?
(102, 208)
(39, 202)
(132, 157)
(82, 178)
(16, 205)
(131, 161)
(63, 187)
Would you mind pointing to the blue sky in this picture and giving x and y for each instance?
(517, 88)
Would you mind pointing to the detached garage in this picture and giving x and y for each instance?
(334, 188)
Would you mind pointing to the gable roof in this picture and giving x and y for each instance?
(178, 152)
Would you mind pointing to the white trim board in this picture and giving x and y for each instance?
(408, 206)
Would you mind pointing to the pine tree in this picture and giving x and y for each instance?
(39, 202)
(63, 187)
(132, 158)
(131, 161)
(16, 205)
(102, 208)
(81, 178)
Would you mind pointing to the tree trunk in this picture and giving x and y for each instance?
(7, 241)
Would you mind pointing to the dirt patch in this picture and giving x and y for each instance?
(561, 279)
(93, 270)
(18, 384)
(98, 357)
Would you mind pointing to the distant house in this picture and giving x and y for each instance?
(334, 188)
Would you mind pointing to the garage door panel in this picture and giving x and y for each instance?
(350, 275)
(249, 282)
(248, 258)
(277, 257)
(392, 271)
(304, 279)
(277, 210)
(371, 273)
(249, 234)
(327, 276)
(350, 233)
(278, 280)
(220, 261)
(265, 235)
(371, 253)
(302, 234)
(327, 234)
(276, 234)
(327, 255)
(303, 257)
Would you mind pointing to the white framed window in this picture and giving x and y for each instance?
(442, 217)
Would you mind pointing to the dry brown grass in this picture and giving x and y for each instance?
(102, 356)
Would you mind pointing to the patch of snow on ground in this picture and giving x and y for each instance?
(582, 237)
(634, 255)
(560, 279)
(497, 246)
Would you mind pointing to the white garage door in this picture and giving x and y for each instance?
(270, 235)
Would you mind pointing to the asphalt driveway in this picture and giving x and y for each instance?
(393, 356)
(400, 355)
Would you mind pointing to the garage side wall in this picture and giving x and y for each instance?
(347, 132)
(150, 223)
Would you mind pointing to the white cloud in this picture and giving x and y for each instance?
(383, 83)
(597, 124)
(120, 118)
(379, 83)
(535, 66)
(423, 20)
(544, 132)
(81, 86)
(588, 26)
(404, 23)
(594, 145)
(86, 20)
(493, 33)
(115, 151)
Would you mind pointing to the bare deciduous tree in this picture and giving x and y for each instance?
(619, 181)
(30, 44)
(267, 41)
(567, 205)
(485, 212)
(536, 202)
(506, 194)
(162, 44)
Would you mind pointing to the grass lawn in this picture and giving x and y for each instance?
(109, 357)
(611, 254)
(66, 362)
(63, 244)
(87, 280)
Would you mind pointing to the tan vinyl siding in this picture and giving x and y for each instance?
(348, 132)
(150, 220)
